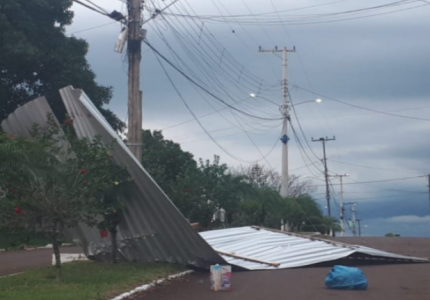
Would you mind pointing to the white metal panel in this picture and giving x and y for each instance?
(289, 250)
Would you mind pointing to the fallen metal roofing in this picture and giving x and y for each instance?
(255, 248)
(153, 229)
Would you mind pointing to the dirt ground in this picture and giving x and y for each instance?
(393, 282)
(12, 262)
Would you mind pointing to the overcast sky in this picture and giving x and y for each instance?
(378, 62)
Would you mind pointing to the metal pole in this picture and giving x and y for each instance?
(134, 135)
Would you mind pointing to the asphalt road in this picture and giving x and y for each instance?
(12, 262)
(391, 282)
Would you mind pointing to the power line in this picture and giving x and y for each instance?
(375, 168)
(117, 16)
(92, 8)
(198, 121)
(203, 88)
(92, 28)
(304, 153)
(314, 18)
(311, 163)
(205, 72)
(177, 58)
(378, 181)
(300, 126)
(407, 192)
(204, 31)
(101, 8)
(386, 189)
(247, 33)
(361, 107)
(389, 196)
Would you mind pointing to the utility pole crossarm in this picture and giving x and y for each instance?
(276, 50)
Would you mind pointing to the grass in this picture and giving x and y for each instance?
(82, 281)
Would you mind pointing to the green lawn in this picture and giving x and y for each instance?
(82, 281)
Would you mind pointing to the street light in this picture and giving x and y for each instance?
(310, 101)
(253, 95)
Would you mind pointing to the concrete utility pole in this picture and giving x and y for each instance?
(324, 140)
(135, 36)
(342, 208)
(354, 219)
(429, 187)
(284, 108)
(359, 226)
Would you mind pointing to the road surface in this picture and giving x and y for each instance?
(12, 262)
(390, 282)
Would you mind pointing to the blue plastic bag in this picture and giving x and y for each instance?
(346, 278)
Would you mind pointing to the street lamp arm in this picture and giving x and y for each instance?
(310, 101)
(252, 95)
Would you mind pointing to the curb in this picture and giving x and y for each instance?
(49, 246)
(147, 286)
(70, 257)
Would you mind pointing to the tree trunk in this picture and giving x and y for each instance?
(114, 245)
(56, 247)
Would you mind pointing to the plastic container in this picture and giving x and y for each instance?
(220, 278)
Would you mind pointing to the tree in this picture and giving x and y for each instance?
(200, 191)
(260, 206)
(302, 212)
(297, 187)
(37, 58)
(392, 235)
(60, 182)
(164, 160)
(331, 225)
(107, 183)
(261, 176)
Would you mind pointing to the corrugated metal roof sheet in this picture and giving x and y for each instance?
(20, 122)
(153, 229)
(272, 247)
